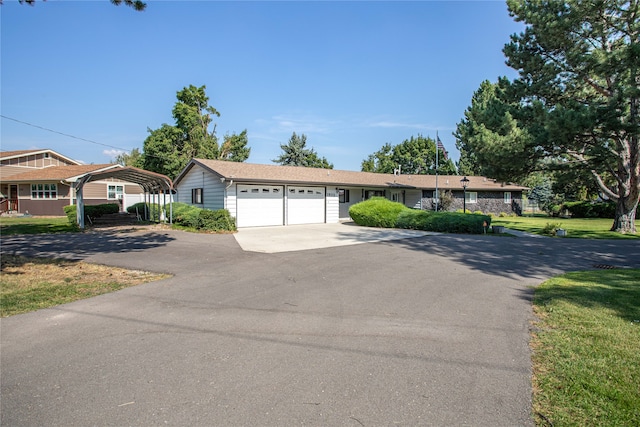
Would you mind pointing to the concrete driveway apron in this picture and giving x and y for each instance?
(429, 330)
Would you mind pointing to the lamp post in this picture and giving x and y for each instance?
(464, 181)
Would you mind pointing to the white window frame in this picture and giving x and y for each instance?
(113, 193)
(507, 197)
(471, 197)
(44, 191)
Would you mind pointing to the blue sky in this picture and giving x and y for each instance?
(351, 76)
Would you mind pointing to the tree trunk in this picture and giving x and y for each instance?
(625, 219)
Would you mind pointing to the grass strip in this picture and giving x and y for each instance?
(586, 349)
(28, 284)
(35, 225)
(583, 228)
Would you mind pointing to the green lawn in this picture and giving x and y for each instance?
(586, 357)
(585, 228)
(35, 225)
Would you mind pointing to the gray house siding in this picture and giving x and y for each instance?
(212, 189)
(413, 199)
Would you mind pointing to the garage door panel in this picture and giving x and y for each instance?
(305, 205)
(260, 205)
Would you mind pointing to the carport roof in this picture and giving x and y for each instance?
(150, 181)
(250, 172)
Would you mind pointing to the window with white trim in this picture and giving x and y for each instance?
(44, 191)
(507, 197)
(115, 192)
(471, 197)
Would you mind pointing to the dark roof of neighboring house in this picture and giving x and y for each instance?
(20, 153)
(251, 172)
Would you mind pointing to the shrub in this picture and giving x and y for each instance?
(186, 215)
(71, 212)
(91, 211)
(219, 220)
(445, 222)
(96, 211)
(550, 228)
(139, 208)
(591, 209)
(446, 200)
(376, 212)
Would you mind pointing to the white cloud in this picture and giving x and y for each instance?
(391, 124)
(113, 153)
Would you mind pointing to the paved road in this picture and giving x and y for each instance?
(421, 331)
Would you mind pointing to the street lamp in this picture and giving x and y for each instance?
(464, 181)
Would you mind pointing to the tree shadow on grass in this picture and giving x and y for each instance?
(617, 290)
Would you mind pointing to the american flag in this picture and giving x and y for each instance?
(441, 148)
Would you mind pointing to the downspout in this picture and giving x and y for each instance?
(225, 190)
(146, 204)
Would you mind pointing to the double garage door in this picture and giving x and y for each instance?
(264, 205)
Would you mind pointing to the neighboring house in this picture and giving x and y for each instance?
(40, 182)
(262, 195)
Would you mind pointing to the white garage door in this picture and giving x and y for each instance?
(260, 205)
(305, 205)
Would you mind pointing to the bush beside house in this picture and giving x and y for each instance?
(376, 212)
(189, 216)
(380, 212)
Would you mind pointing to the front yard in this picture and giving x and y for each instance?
(585, 228)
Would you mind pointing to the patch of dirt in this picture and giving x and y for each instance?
(24, 272)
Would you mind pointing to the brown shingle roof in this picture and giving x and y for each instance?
(56, 173)
(251, 172)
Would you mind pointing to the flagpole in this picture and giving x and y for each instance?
(437, 195)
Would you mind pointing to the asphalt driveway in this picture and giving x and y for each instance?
(428, 330)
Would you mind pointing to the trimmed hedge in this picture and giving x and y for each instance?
(92, 211)
(376, 212)
(381, 212)
(444, 222)
(591, 209)
(71, 213)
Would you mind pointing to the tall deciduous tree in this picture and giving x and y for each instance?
(296, 153)
(134, 158)
(575, 101)
(413, 156)
(168, 149)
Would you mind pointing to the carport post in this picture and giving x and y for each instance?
(79, 207)
(170, 206)
(147, 205)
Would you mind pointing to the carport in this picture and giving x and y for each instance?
(152, 183)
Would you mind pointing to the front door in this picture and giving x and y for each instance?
(13, 197)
